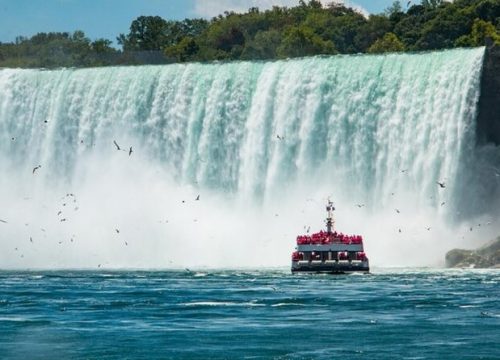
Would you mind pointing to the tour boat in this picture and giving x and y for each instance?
(330, 251)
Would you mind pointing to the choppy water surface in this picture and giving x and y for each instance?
(411, 314)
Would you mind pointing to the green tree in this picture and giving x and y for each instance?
(185, 50)
(146, 33)
(481, 30)
(302, 41)
(263, 45)
(389, 43)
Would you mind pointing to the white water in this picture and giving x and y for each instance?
(372, 130)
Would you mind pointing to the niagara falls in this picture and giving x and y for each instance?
(263, 143)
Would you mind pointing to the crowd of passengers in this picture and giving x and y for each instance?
(325, 238)
(341, 255)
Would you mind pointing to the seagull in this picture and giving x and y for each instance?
(280, 137)
(441, 184)
(397, 210)
(31, 239)
(130, 151)
(360, 205)
(126, 243)
(13, 138)
(443, 203)
(117, 146)
(428, 229)
(36, 168)
(59, 213)
(63, 219)
(470, 229)
(404, 170)
(3, 221)
(117, 231)
(197, 198)
(399, 230)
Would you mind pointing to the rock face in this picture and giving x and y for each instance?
(487, 256)
(488, 118)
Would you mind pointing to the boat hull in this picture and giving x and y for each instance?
(333, 267)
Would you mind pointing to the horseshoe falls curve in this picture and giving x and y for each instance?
(262, 143)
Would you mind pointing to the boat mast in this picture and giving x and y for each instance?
(330, 222)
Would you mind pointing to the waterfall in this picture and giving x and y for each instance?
(253, 138)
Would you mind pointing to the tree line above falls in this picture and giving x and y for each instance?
(307, 29)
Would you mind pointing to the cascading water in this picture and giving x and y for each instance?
(263, 143)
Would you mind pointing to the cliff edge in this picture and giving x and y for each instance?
(488, 118)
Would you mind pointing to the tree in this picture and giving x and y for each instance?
(481, 30)
(146, 33)
(389, 43)
(302, 41)
(263, 45)
(185, 50)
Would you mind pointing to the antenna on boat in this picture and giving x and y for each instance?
(330, 222)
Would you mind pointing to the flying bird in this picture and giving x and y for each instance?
(197, 198)
(62, 220)
(36, 168)
(443, 203)
(117, 231)
(360, 205)
(31, 239)
(3, 221)
(441, 184)
(280, 137)
(428, 228)
(117, 146)
(399, 230)
(130, 151)
(397, 210)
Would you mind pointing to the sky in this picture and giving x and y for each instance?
(108, 18)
